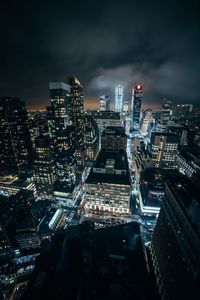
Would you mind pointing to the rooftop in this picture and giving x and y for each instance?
(113, 161)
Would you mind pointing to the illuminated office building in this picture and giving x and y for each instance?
(78, 121)
(164, 147)
(136, 106)
(15, 145)
(108, 186)
(118, 98)
(44, 167)
(62, 132)
(104, 103)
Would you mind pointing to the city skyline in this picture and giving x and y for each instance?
(99, 150)
(153, 49)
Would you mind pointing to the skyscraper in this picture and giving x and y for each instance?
(15, 145)
(78, 120)
(118, 98)
(166, 111)
(62, 132)
(136, 106)
(44, 167)
(176, 240)
(104, 103)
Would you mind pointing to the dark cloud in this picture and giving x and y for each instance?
(104, 43)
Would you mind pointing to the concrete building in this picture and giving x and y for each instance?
(108, 185)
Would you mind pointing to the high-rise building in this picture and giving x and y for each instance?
(183, 110)
(104, 103)
(126, 107)
(62, 131)
(136, 106)
(118, 98)
(113, 139)
(91, 139)
(78, 120)
(15, 145)
(166, 111)
(176, 240)
(164, 147)
(44, 167)
(147, 119)
(107, 118)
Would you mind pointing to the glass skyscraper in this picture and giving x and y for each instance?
(136, 106)
(118, 98)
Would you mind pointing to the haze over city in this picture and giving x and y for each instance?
(103, 43)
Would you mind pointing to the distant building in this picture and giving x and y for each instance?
(183, 110)
(176, 240)
(108, 186)
(126, 107)
(107, 118)
(44, 167)
(104, 103)
(136, 106)
(164, 147)
(147, 119)
(166, 111)
(118, 98)
(15, 145)
(113, 139)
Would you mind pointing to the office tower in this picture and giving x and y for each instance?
(136, 106)
(107, 118)
(183, 110)
(44, 167)
(15, 146)
(164, 147)
(62, 133)
(126, 107)
(166, 111)
(176, 240)
(118, 98)
(78, 121)
(91, 139)
(147, 119)
(108, 186)
(104, 103)
(113, 139)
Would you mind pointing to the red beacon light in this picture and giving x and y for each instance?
(138, 87)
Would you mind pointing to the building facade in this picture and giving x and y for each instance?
(104, 103)
(44, 167)
(15, 144)
(164, 147)
(136, 106)
(118, 98)
(176, 240)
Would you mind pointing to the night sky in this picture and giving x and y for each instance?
(103, 43)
